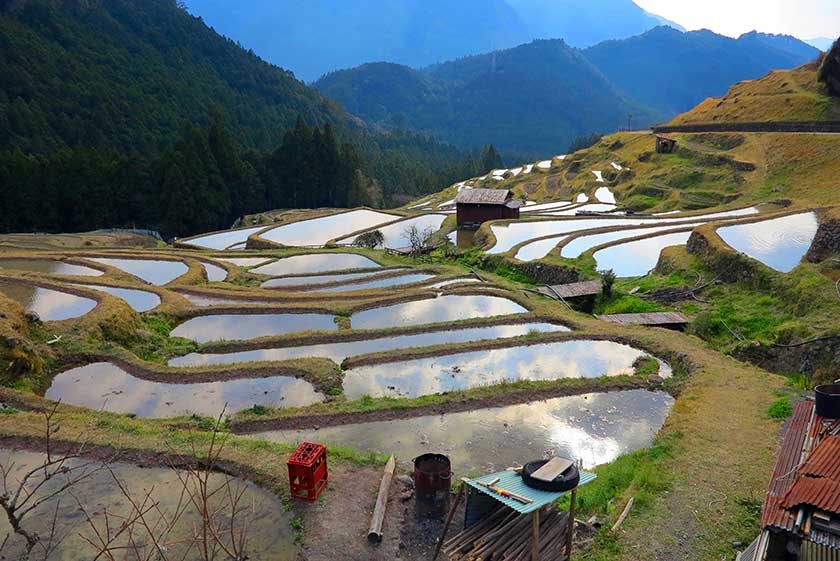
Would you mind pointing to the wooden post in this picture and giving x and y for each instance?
(452, 510)
(375, 532)
(535, 529)
(571, 535)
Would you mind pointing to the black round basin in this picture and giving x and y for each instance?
(828, 401)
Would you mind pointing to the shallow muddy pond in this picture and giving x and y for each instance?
(219, 327)
(314, 263)
(339, 351)
(150, 270)
(214, 272)
(49, 266)
(595, 428)
(451, 307)
(318, 231)
(441, 374)
(780, 243)
(108, 387)
(50, 305)
(316, 279)
(635, 259)
(396, 235)
(270, 535)
(139, 300)
(224, 240)
(379, 283)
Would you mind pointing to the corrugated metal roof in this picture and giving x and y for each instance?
(511, 481)
(818, 492)
(483, 196)
(652, 318)
(573, 290)
(824, 538)
(811, 551)
(790, 455)
(824, 461)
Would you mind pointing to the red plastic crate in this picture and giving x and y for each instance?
(308, 476)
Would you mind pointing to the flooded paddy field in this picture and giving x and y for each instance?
(316, 232)
(139, 300)
(594, 428)
(339, 351)
(150, 270)
(380, 283)
(49, 266)
(440, 374)
(49, 304)
(204, 301)
(105, 386)
(316, 280)
(314, 263)
(214, 272)
(218, 327)
(270, 536)
(224, 240)
(780, 243)
(396, 235)
(246, 261)
(452, 307)
(582, 244)
(635, 259)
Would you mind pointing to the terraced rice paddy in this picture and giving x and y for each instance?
(315, 280)
(435, 310)
(223, 240)
(580, 245)
(150, 270)
(314, 263)
(380, 283)
(214, 272)
(780, 243)
(440, 374)
(48, 304)
(49, 266)
(594, 428)
(635, 259)
(220, 327)
(338, 351)
(139, 300)
(107, 387)
(396, 235)
(205, 301)
(318, 231)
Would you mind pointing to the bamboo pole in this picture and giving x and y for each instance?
(375, 532)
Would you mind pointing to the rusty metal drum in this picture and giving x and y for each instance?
(432, 485)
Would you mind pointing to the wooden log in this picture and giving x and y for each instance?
(535, 547)
(624, 514)
(375, 532)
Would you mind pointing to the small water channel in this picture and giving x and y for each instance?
(595, 428)
(270, 535)
(452, 307)
(635, 259)
(218, 327)
(440, 374)
(157, 272)
(314, 263)
(108, 387)
(780, 243)
(338, 351)
(49, 266)
(318, 231)
(50, 305)
(139, 300)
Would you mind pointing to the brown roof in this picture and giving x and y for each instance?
(483, 196)
(651, 318)
(668, 138)
(824, 461)
(572, 290)
(819, 492)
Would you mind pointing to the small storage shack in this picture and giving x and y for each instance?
(475, 206)
(665, 144)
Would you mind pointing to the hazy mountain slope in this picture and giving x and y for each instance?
(673, 71)
(821, 43)
(317, 36)
(126, 75)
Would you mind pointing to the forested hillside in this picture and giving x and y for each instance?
(125, 113)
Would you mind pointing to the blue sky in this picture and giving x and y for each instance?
(802, 18)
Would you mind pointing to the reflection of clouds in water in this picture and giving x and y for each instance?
(779, 243)
(50, 305)
(49, 266)
(395, 234)
(635, 259)
(104, 385)
(568, 359)
(538, 249)
(222, 240)
(249, 326)
(595, 428)
(316, 263)
(577, 246)
(445, 308)
(139, 300)
(339, 351)
(214, 272)
(319, 231)
(150, 270)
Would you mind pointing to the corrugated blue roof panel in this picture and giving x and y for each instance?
(512, 482)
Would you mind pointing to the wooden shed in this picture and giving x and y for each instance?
(475, 206)
(665, 144)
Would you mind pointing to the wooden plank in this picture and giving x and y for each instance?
(570, 537)
(375, 532)
(553, 468)
(535, 530)
(624, 514)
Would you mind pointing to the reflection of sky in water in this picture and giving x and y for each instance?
(579, 245)
(318, 231)
(316, 279)
(49, 266)
(595, 428)
(139, 300)
(270, 536)
(381, 283)
(538, 249)
(635, 259)
(316, 263)
(50, 305)
(545, 206)
(426, 376)
(445, 308)
(395, 236)
(105, 386)
(214, 272)
(339, 351)
(250, 326)
(222, 240)
(151, 271)
(204, 301)
(246, 261)
(779, 243)
(449, 282)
